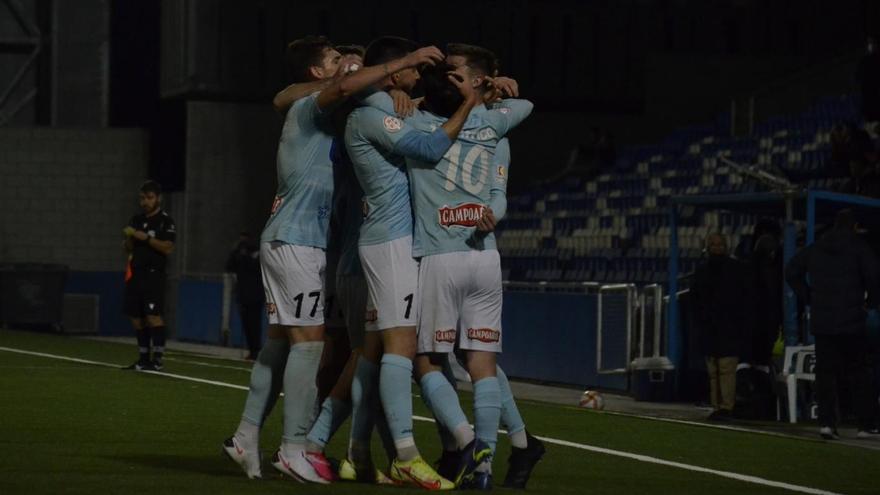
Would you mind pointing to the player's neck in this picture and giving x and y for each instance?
(154, 212)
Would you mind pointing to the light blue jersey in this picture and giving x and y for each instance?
(498, 191)
(301, 210)
(449, 197)
(377, 143)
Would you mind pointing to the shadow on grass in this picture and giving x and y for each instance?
(215, 465)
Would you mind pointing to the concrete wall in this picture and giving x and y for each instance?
(230, 179)
(67, 193)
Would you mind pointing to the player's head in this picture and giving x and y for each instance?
(716, 244)
(388, 48)
(311, 59)
(352, 57)
(480, 61)
(150, 196)
(441, 96)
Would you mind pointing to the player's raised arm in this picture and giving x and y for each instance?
(508, 114)
(368, 76)
(296, 91)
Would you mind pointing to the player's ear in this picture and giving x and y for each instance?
(316, 72)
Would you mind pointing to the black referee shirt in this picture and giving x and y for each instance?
(160, 226)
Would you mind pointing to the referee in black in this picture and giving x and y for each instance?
(149, 240)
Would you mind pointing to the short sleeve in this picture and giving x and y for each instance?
(306, 111)
(168, 232)
(381, 129)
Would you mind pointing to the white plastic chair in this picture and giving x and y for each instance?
(794, 368)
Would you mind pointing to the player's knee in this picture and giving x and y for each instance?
(154, 321)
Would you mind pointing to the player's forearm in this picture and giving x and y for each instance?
(498, 203)
(164, 247)
(455, 123)
(289, 95)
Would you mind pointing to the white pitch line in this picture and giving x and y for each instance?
(208, 365)
(564, 443)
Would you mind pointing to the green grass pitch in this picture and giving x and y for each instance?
(69, 427)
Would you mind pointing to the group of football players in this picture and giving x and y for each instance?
(379, 262)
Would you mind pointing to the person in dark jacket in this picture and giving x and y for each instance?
(244, 262)
(842, 270)
(719, 297)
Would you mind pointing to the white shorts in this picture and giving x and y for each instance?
(392, 280)
(460, 290)
(293, 279)
(333, 315)
(351, 298)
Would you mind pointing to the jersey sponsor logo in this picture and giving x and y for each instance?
(485, 335)
(271, 308)
(371, 315)
(486, 134)
(445, 336)
(463, 215)
(392, 124)
(276, 204)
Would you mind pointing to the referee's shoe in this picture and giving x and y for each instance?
(141, 365)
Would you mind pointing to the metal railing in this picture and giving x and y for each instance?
(608, 308)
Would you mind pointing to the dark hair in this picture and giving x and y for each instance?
(303, 54)
(845, 220)
(441, 96)
(151, 186)
(478, 58)
(351, 50)
(388, 48)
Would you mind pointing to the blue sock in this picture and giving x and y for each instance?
(385, 436)
(395, 390)
(487, 410)
(300, 391)
(334, 412)
(510, 416)
(266, 378)
(447, 439)
(363, 409)
(445, 406)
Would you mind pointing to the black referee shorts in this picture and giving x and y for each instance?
(144, 294)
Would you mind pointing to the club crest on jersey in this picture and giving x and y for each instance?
(392, 124)
(463, 215)
(444, 336)
(485, 335)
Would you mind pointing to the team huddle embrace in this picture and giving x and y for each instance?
(379, 261)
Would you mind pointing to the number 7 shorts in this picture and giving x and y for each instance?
(460, 291)
(293, 280)
(392, 279)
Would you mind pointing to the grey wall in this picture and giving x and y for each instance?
(67, 193)
(230, 179)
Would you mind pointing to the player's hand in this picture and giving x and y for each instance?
(349, 63)
(128, 231)
(140, 235)
(487, 222)
(428, 55)
(508, 87)
(404, 106)
(464, 87)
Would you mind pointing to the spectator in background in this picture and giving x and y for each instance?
(244, 262)
(842, 270)
(868, 77)
(763, 252)
(719, 299)
(854, 155)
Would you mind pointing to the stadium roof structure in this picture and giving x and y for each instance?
(804, 205)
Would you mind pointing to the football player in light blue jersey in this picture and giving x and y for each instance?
(459, 277)
(377, 143)
(526, 449)
(293, 260)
